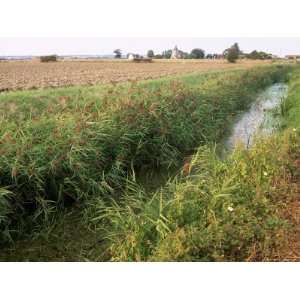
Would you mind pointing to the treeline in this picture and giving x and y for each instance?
(196, 53)
(231, 54)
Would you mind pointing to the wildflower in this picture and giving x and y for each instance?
(230, 208)
(294, 129)
(265, 174)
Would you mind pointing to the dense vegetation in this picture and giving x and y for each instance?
(231, 54)
(291, 107)
(259, 55)
(64, 148)
(48, 58)
(216, 209)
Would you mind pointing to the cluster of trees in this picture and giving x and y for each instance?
(118, 53)
(259, 55)
(196, 53)
(232, 54)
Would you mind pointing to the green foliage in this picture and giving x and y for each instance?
(118, 53)
(150, 54)
(197, 53)
(167, 54)
(232, 55)
(222, 210)
(259, 55)
(48, 58)
(291, 107)
(5, 214)
(62, 147)
(236, 47)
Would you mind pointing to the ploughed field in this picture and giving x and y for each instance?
(33, 74)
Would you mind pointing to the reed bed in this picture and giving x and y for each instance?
(216, 210)
(68, 147)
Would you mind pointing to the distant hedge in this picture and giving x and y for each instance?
(48, 58)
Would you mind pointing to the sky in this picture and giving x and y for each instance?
(35, 27)
(104, 46)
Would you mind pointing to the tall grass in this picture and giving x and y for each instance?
(72, 148)
(222, 210)
(292, 105)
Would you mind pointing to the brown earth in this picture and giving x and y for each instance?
(290, 249)
(33, 74)
(290, 252)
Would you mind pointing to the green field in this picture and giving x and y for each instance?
(75, 162)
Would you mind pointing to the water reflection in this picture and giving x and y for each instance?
(258, 120)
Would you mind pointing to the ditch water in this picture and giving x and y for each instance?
(261, 119)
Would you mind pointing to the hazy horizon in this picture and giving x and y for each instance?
(105, 46)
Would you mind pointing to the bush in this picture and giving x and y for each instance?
(259, 55)
(197, 53)
(48, 58)
(118, 53)
(150, 54)
(232, 55)
(167, 53)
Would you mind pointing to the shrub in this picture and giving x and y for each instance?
(259, 55)
(48, 58)
(232, 55)
(167, 54)
(118, 53)
(150, 54)
(197, 53)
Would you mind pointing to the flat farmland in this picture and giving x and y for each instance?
(33, 74)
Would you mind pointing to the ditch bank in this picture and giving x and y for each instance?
(217, 209)
(78, 150)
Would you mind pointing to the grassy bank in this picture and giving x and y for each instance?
(65, 147)
(291, 107)
(216, 210)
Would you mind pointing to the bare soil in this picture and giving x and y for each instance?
(290, 252)
(15, 75)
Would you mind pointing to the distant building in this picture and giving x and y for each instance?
(132, 56)
(176, 54)
(293, 56)
(214, 56)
